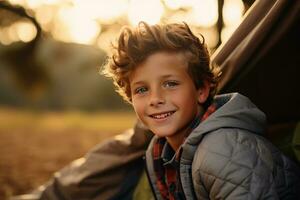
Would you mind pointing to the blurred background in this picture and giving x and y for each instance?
(54, 104)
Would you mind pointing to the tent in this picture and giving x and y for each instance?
(261, 60)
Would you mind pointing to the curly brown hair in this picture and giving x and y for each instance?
(136, 44)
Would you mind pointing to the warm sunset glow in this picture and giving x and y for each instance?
(103, 10)
(37, 3)
(12, 32)
(4, 36)
(106, 39)
(19, 31)
(179, 16)
(233, 12)
(205, 12)
(20, 2)
(44, 14)
(145, 10)
(210, 35)
(227, 32)
(34, 3)
(202, 13)
(25, 31)
(174, 4)
(72, 26)
(81, 21)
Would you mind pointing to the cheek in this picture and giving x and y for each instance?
(187, 102)
(138, 108)
(185, 98)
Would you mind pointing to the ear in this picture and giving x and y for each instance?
(203, 92)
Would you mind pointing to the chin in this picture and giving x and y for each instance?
(162, 133)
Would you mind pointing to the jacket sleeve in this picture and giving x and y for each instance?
(109, 170)
(233, 164)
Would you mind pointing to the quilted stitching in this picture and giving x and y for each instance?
(240, 146)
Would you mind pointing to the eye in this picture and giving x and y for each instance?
(171, 84)
(140, 90)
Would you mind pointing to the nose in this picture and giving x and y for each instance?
(157, 98)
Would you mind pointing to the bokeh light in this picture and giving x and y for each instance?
(19, 31)
(211, 36)
(174, 4)
(80, 21)
(5, 38)
(204, 12)
(44, 14)
(233, 11)
(17, 2)
(72, 26)
(103, 10)
(106, 39)
(144, 10)
(25, 31)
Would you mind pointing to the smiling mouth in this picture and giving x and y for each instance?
(162, 115)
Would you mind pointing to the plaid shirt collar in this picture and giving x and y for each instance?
(166, 162)
(168, 155)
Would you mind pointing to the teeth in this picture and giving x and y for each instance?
(164, 115)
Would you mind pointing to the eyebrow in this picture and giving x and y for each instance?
(137, 83)
(168, 76)
(162, 77)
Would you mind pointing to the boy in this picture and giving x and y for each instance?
(205, 147)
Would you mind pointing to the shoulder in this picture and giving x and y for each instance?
(232, 160)
(233, 144)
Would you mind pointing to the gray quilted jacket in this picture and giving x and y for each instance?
(226, 157)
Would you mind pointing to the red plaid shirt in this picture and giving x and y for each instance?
(166, 163)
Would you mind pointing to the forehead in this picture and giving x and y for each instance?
(166, 58)
(161, 64)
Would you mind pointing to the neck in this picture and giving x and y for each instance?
(176, 140)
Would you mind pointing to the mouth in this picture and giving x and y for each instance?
(162, 115)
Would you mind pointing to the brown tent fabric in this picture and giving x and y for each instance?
(261, 59)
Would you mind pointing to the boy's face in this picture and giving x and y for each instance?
(164, 96)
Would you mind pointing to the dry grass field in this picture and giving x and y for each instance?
(33, 145)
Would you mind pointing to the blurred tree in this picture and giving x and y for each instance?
(48, 74)
(20, 57)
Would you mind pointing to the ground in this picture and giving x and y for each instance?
(33, 145)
